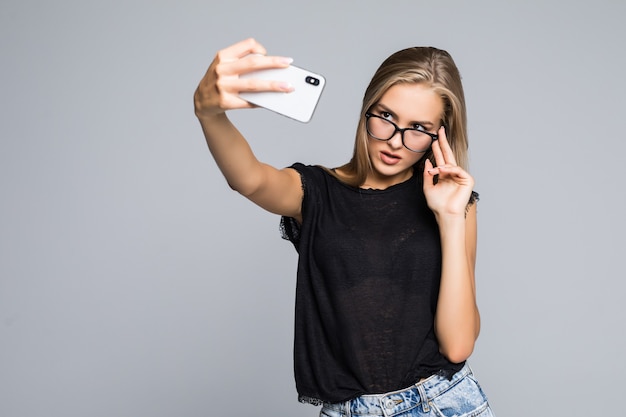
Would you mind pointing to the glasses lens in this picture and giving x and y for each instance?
(416, 140)
(383, 129)
(380, 128)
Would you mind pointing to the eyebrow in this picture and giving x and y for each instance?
(425, 123)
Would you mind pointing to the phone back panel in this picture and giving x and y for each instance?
(300, 103)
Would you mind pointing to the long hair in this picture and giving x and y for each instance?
(426, 65)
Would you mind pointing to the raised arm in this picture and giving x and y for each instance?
(278, 191)
(457, 321)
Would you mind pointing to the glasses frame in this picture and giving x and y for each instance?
(433, 136)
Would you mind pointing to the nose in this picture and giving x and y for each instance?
(396, 140)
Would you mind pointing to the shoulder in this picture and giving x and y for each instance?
(311, 175)
(311, 170)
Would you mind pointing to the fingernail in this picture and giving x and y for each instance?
(286, 60)
(288, 87)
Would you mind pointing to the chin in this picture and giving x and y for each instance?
(393, 172)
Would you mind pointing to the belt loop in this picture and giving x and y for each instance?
(423, 398)
(348, 408)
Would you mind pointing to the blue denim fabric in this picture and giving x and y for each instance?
(434, 397)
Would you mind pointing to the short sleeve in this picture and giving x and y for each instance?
(289, 227)
(290, 230)
(474, 198)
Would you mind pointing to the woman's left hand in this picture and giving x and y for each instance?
(451, 194)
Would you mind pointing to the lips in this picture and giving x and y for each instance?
(389, 158)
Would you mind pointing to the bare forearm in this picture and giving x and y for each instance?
(277, 191)
(218, 92)
(232, 153)
(457, 321)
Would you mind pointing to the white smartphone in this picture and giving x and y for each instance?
(298, 104)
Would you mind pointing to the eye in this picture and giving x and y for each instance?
(386, 115)
(419, 127)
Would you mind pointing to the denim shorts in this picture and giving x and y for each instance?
(435, 396)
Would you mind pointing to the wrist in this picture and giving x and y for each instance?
(210, 119)
(449, 221)
(449, 218)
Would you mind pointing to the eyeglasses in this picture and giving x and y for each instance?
(415, 139)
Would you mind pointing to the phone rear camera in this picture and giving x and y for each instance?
(312, 80)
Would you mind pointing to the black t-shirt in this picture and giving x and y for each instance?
(368, 279)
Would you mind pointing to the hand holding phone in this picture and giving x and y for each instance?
(298, 104)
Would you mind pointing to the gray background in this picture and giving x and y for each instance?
(134, 282)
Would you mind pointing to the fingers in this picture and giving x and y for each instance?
(438, 154)
(239, 85)
(247, 56)
(241, 49)
(446, 171)
(219, 89)
(429, 170)
(442, 151)
(447, 186)
(244, 57)
(452, 173)
(254, 63)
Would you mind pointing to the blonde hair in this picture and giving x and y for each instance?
(426, 65)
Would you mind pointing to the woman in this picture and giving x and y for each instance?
(386, 311)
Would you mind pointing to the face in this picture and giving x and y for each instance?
(408, 106)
